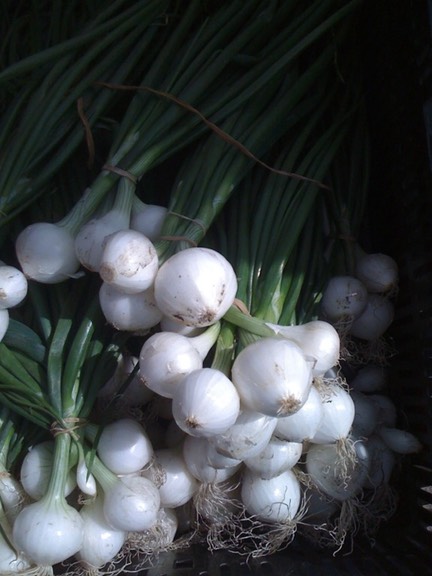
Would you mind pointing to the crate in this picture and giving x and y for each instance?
(398, 62)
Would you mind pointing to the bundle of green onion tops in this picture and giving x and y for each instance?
(193, 338)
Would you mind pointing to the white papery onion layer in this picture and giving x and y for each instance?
(273, 500)
(205, 403)
(195, 286)
(272, 376)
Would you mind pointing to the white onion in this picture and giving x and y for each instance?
(131, 504)
(218, 460)
(195, 455)
(369, 378)
(148, 220)
(337, 475)
(320, 507)
(367, 413)
(101, 543)
(400, 441)
(319, 341)
(129, 312)
(195, 286)
(48, 531)
(170, 325)
(10, 561)
(205, 403)
(387, 409)
(129, 261)
(86, 482)
(157, 538)
(343, 297)
(382, 462)
(375, 318)
(273, 500)
(178, 485)
(124, 446)
(279, 455)
(378, 272)
(4, 323)
(36, 469)
(167, 357)
(303, 425)
(272, 376)
(46, 253)
(13, 287)
(12, 495)
(247, 437)
(90, 239)
(338, 415)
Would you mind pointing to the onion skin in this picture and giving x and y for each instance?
(274, 500)
(272, 376)
(46, 253)
(195, 286)
(48, 531)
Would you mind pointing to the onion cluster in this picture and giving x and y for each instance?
(278, 435)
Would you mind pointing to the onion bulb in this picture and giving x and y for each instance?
(272, 376)
(4, 323)
(338, 415)
(129, 312)
(148, 219)
(400, 441)
(277, 456)
(247, 437)
(175, 483)
(195, 286)
(10, 561)
(272, 500)
(382, 462)
(129, 261)
(195, 453)
(343, 297)
(36, 469)
(46, 253)
(13, 287)
(90, 239)
(366, 417)
(334, 473)
(131, 503)
(375, 318)
(378, 272)
(100, 543)
(370, 378)
(167, 357)
(205, 403)
(303, 425)
(124, 446)
(319, 341)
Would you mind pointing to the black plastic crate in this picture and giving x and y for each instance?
(397, 51)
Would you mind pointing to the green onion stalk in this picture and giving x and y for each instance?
(211, 70)
(54, 390)
(54, 111)
(209, 176)
(275, 234)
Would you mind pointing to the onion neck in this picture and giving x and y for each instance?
(203, 342)
(60, 468)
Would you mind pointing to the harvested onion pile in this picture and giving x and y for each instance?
(211, 368)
